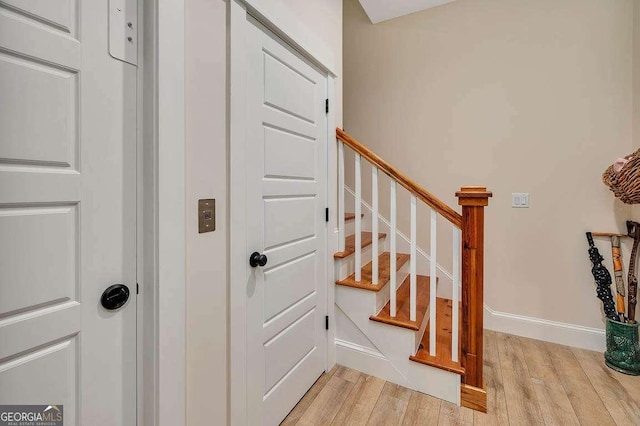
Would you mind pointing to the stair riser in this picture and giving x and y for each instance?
(384, 295)
(350, 225)
(347, 266)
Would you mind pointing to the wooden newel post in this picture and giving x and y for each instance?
(473, 200)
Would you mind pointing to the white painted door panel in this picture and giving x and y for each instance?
(67, 212)
(286, 200)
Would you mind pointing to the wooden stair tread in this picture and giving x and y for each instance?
(442, 359)
(403, 304)
(384, 272)
(351, 216)
(350, 244)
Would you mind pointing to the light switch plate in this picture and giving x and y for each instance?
(206, 215)
(520, 200)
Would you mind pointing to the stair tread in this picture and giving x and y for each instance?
(403, 304)
(351, 216)
(442, 359)
(350, 244)
(384, 272)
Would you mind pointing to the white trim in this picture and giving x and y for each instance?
(550, 331)
(236, 52)
(147, 209)
(332, 201)
(277, 17)
(171, 213)
(422, 378)
(368, 361)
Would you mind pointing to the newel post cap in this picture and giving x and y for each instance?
(477, 196)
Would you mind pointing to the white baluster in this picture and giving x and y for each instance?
(432, 281)
(341, 236)
(358, 219)
(392, 243)
(455, 332)
(374, 225)
(412, 260)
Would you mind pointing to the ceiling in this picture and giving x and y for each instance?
(382, 10)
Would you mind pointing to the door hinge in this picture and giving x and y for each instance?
(326, 214)
(137, 288)
(326, 106)
(326, 322)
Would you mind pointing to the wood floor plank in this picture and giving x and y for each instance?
(585, 401)
(302, 406)
(630, 383)
(619, 402)
(522, 404)
(422, 410)
(528, 382)
(328, 402)
(554, 404)
(496, 414)
(451, 414)
(348, 374)
(362, 399)
(391, 406)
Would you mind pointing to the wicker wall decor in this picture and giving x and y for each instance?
(625, 184)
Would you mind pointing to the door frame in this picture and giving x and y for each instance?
(161, 233)
(277, 18)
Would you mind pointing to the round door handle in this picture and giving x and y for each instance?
(257, 259)
(114, 297)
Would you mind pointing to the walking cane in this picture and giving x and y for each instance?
(633, 230)
(618, 274)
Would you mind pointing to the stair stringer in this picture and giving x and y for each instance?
(394, 344)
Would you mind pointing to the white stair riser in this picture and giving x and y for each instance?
(346, 266)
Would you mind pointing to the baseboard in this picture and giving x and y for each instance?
(368, 361)
(550, 331)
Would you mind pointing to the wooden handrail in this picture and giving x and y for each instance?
(428, 198)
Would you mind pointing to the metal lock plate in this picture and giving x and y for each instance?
(206, 215)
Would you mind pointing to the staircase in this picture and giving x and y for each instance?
(392, 320)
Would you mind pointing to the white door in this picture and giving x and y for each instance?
(286, 200)
(67, 212)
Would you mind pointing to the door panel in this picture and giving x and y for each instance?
(58, 13)
(43, 234)
(286, 200)
(41, 93)
(279, 293)
(67, 212)
(52, 375)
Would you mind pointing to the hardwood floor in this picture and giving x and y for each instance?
(529, 382)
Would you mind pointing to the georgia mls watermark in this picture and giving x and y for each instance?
(31, 415)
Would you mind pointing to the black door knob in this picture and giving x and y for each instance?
(115, 296)
(257, 259)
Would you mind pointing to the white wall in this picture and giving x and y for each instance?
(531, 96)
(206, 161)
